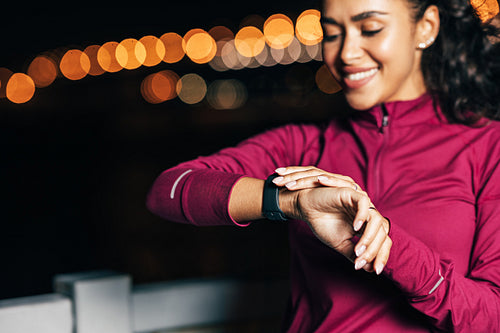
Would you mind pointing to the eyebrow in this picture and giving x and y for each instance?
(355, 18)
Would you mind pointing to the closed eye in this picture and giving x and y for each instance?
(331, 38)
(370, 33)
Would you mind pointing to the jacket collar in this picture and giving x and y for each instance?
(421, 110)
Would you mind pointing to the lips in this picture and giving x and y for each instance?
(355, 78)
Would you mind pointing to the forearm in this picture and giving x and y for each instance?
(245, 201)
(453, 302)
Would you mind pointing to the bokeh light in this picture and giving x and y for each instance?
(174, 51)
(249, 41)
(308, 27)
(233, 59)
(199, 46)
(226, 94)
(221, 33)
(106, 56)
(155, 50)
(95, 67)
(265, 58)
(191, 88)
(43, 71)
(5, 75)
(326, 82)
(160, 87)
(20, 88)
(278, 30)
(74, 65)
(130, 53)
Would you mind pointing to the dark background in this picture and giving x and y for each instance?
(78, 159)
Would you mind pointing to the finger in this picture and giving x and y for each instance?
(283, 171)
(309, 178)
(316, 181)
(362, 204)
(338, 182)
(372, 228)
(292, 169)
(382, 256)
(372, 250)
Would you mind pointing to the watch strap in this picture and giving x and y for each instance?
(270, 200)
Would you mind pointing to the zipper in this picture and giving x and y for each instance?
(385, 118)
(378, 158)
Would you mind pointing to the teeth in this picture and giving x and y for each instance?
(361, 75)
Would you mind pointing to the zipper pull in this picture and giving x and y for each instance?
(385, 118)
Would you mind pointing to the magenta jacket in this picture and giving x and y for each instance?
(438, 183)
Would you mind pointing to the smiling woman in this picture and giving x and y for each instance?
(414, 73)
(370, 49)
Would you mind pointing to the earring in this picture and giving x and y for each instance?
(425, 45)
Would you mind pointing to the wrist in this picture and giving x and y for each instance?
(288, 201)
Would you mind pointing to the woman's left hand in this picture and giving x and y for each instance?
(301, 177)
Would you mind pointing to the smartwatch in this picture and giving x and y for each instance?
(270, 201)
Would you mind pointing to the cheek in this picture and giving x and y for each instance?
(394, 53)
(330, 58)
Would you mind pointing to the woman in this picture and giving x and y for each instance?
(419, 149)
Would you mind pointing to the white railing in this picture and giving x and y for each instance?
(106, 302)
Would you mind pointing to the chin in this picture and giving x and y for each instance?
(359, 102)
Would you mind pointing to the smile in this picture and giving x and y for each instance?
(361, 75)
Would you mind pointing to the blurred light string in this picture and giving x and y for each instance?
(279, 42)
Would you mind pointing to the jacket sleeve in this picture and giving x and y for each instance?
(197, 192)
(453, 302)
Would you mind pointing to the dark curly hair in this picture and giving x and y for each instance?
(462, 67)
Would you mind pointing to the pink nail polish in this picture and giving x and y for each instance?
(280, 170)
(379, 268)
(359, 264)
(291, 184)
(358, 225)
(360, 251)
(277, 180)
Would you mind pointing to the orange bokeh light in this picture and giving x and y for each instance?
(220, 32)
(199, 46)
(308, 27)
(159, 87)
(221, 35)
(74, 65)
(43, 71)
(130, 53)
(106, 56)
(174, 51)
(155, 50)
(20, 88)
(278, 30)
(326, 82)
(91, 52)
(249, 41)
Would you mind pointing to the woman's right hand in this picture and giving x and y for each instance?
(336, 215)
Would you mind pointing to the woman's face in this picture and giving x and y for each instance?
(370, 47)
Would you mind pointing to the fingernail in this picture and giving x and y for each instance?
(357, 225)
(379, 268)
(277, 180)
(291, 184)
(360, 251)
(359, 264)
(280, 170)
(322, 178)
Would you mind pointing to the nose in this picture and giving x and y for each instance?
(351, 49)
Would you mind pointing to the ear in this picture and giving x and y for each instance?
(427, 28)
